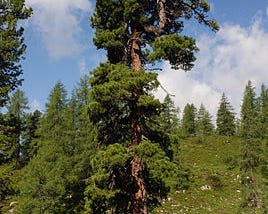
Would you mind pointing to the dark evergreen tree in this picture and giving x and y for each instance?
(7, 165)
(225, 118)
(30, 136)
(188, 122)
(164, 129)
(12, 47)
(81, 135)
(263, 111)
(17, 115)
(121, 99)
(169, 116)
(12, 127)
(204, 125)
(251, 150)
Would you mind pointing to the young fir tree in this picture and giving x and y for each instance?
(81, 134)
(169, 116)
(12, 47)
(225, 118)
(251, 150)
(188, 122)
(54, 179)
(121, 89)
(204, 126)
(43, 186)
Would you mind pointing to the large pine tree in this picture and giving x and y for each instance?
(121, 100)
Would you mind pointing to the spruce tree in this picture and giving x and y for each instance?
(12, 47)
(134, 33)
(251, 150)
(204, 126)
(225, 118)
(188, 122)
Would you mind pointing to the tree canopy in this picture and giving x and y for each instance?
(12, 46)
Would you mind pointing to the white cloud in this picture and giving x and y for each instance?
(59, 24)
(225, 63)
(187, 89)
(82, 66)
(35, 105)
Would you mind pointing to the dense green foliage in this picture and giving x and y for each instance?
(263, 108)
(188, 122)
(158, 23)
(112, 102)
(12, 47)
(54, 179)
(251, 151)
(204, 126)
(110, 108)
(122, 107)
(225, 118)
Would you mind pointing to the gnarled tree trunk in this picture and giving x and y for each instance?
(139, 194)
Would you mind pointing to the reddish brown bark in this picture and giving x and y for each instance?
(139, 200)
(136, 66)
(136, 48)
(139, 194)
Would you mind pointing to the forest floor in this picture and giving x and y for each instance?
(214, 177)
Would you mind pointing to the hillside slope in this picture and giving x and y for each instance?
(215, 178)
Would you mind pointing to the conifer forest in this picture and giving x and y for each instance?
(110, 146)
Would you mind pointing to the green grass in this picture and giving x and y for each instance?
(214, 162)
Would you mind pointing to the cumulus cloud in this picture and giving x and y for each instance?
(59, 24)
(225, 63)
(187, 89)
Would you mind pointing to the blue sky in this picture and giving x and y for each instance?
(60, 47)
